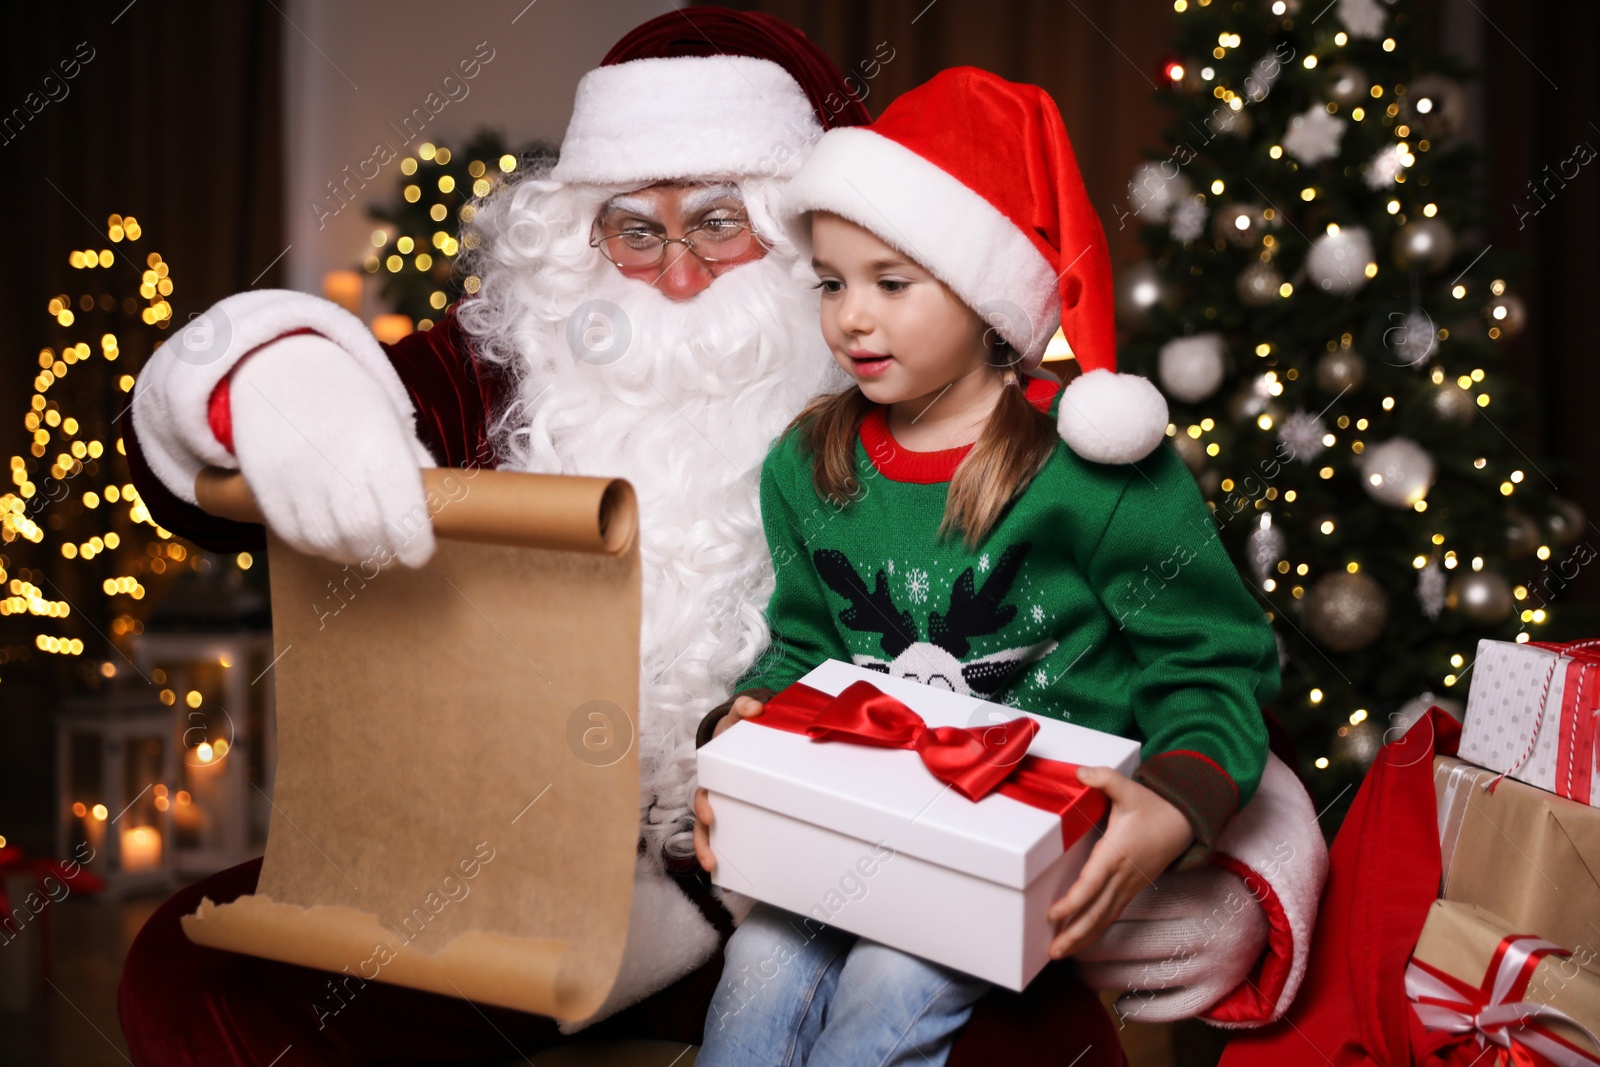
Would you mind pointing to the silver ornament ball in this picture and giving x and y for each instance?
(1522, 536)
(1192, 368)
(1566, 522)
(1337, 263)
(1453, 404)
(1398, 472)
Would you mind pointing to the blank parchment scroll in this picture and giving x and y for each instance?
(456, 806)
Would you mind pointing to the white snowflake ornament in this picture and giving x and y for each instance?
(1430, 589)
(1363, 18)
(1302, 432)
(1189, 220)
(1384, 166)
(1314, 135)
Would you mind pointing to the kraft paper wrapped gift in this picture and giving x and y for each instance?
(1523, 853)
(1478, 975)
(1531, 713)
(866, 839)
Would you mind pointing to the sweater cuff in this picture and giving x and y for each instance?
(708, 725)
(1195, 785)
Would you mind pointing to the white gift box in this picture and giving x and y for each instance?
(868, 840)
(1504, 729)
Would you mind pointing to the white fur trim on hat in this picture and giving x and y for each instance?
(657, 119)
(951, 230)
(1108, 417)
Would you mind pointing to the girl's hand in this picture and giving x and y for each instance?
(743, 708)
(1144, 835)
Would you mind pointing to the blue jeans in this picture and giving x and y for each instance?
(796, 992)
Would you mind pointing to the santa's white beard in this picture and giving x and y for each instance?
(683, 399)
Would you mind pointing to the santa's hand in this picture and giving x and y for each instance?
(743, 708)
(333, 467)
(1144, 835)
(1179, 947)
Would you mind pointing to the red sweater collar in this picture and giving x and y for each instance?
(926, 468)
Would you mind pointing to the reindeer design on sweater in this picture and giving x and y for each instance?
(942, 659)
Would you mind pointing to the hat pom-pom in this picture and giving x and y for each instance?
(1108, 417)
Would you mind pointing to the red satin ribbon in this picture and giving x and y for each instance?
(1577, 736)
(974, 761)
(1494, 1012)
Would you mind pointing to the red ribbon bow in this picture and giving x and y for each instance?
(974, 761)
(1494, 1012)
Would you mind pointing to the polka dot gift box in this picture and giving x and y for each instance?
(1531, 715)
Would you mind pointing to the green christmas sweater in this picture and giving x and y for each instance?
(1102, 597)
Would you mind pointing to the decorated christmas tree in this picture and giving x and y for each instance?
(78, 549)
(1328, 332)
(414, 251)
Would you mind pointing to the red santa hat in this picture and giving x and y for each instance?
(974, 178)
(704, 92)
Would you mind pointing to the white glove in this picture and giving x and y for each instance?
(1179, 946)
(333, 466)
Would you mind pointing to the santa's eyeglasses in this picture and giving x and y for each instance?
(713, 241)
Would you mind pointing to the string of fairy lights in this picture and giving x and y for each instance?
(415, 254)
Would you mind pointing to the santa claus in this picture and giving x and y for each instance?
(640, 314)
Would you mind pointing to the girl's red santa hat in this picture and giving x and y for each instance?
(974, 178)
(704, 92)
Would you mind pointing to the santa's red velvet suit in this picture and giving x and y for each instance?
(482, 389)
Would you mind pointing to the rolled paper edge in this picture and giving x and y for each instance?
(572, 513)
(524, 974)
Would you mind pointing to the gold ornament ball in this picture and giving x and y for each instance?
(1508, 313)
(1241, 225)
(1345, 612)
(1139, 290)
(1258, 284)
(1359, 744)
(1349, 85)
(1482, 596)
(1433, 106)
(1426, 244)
(1338, 371)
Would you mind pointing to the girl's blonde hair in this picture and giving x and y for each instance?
(1016, 441)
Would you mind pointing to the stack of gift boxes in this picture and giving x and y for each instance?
(1511, 949)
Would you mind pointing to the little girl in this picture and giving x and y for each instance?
(954, 520)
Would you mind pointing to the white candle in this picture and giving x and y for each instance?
(141, 849)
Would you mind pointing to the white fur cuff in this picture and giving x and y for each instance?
(171, 396)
